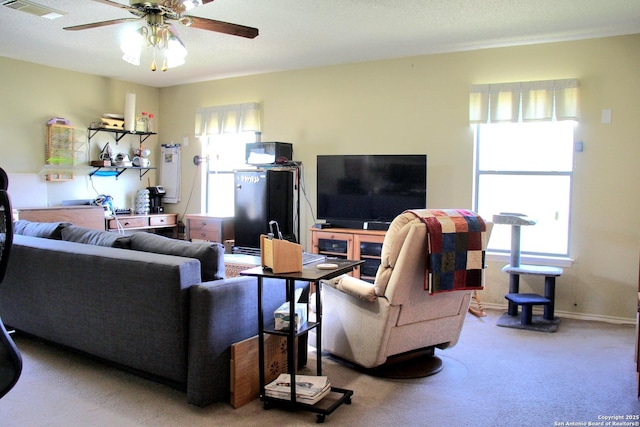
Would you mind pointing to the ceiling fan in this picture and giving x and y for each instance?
(159, 32)
(157, 12)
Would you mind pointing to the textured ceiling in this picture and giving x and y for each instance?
(296, 34)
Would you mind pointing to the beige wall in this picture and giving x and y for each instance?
(33, 94)
(420, 105)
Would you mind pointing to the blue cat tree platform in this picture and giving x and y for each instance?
(547, 322)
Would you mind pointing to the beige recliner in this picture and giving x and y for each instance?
(368, 323)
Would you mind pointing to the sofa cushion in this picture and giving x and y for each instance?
(90, 236)
(47, 230)
(210, 254)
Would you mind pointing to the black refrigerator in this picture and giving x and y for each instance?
(261, 196)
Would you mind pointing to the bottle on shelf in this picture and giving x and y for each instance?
(151, 125)
(142, 123)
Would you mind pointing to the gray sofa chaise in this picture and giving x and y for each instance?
(133, 301)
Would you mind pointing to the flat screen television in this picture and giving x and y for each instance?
(355, 190)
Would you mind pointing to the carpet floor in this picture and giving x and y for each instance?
(583, 373)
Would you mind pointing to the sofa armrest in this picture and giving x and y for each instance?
(224, 312)
(352, 286)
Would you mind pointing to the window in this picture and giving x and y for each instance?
(524, 159)
(526, 168)
(224, 132)
(226, 153)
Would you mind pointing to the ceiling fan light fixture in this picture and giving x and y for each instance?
(131, 59)
(190, 4)
(158, 33)
(158, 38)
(132, 44)
(175, 53)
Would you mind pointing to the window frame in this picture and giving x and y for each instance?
(544, 258)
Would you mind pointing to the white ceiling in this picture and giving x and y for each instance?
(297, 34)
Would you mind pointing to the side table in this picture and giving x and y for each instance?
(207, 227)
(309, 273)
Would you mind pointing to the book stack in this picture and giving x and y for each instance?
(309, 388)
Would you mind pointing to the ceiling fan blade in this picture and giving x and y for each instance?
(113, 3)
(174, 32)
(223, 27)
(100, 24)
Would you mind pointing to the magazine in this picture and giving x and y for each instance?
(309, 388)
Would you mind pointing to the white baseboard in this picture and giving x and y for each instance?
(569, 315)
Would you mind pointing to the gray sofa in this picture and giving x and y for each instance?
(166, 317)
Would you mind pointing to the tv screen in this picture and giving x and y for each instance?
(353, 189)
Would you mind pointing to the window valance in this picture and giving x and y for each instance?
(234, 118)
(524, 101)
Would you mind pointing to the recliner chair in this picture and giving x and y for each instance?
(371, 324)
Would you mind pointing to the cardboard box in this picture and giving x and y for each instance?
(281, 315)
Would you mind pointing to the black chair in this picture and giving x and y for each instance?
(4, 180)
(10, 359)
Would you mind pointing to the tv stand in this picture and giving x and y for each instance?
(351, 243)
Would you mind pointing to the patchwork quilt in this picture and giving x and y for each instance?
(454, 254)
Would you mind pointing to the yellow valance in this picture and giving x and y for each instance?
(524, 101)
(234, 118)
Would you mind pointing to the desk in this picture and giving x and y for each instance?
(143, 222)
(309, 273)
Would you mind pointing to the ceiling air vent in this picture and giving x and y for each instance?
(33, 8)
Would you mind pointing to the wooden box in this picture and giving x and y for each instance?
(280, 256)
(245, 375)
(100, 163)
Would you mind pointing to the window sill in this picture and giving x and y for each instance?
(532, 259)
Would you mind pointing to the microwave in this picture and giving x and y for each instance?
(268, 153)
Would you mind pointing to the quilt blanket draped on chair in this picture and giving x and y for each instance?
(455, 256)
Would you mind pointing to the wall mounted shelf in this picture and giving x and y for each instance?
(117, 170)
(119, 134)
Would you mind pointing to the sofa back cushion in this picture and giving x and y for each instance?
(91, 236)
(210, 254)
(47, 230)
